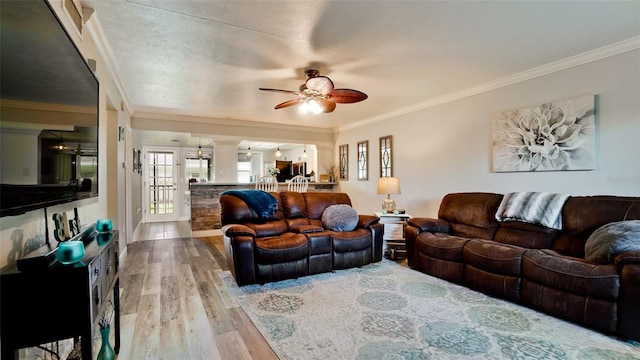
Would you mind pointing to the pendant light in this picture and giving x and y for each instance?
(278, 153)
(249, 153)
(199, 150)
(304, 152)
(60, 147)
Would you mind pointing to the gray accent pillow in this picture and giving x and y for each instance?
(611, 240)
(340, 217)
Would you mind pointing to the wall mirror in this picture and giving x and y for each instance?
(343, 152)
(363, 160)
(386, 156)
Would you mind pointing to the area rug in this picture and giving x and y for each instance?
(388, 311)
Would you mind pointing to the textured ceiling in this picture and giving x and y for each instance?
(208, 58)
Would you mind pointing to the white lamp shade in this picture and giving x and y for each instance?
(388, 185)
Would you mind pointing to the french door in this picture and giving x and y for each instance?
(160, 185)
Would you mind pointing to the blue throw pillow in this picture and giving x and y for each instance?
(340, 217)
(611, 240)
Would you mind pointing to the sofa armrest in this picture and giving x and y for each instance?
(629, 257)
(365, 221)
(628, 265)
(232, 230)
(239, 250)
(430, 225)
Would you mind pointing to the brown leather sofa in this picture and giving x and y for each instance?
(538, 267)
(292, 242)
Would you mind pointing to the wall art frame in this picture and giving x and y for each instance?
(554, 136)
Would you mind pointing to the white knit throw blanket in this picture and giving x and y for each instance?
(533, 207)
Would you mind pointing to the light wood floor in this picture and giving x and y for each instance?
(174, 304)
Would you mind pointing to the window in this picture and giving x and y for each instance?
(244, 171)
(363, 160)
(386, 157)
(198, 168)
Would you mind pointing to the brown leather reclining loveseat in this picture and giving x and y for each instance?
(292, 242)
(533, 265)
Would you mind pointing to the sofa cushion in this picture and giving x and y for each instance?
(493, 257)
(611, 240)
(569, 274)
(283, 248)
(530, 236)
(471, 214)
(441, 246)
(346, 241)
(339, 218)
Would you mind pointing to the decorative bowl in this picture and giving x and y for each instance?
(104, 225)
(70, 252)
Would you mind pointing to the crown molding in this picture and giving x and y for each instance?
(573, 61)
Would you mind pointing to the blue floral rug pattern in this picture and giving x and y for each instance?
(388, 311)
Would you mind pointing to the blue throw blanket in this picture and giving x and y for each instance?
(263, 203)
(533, 207)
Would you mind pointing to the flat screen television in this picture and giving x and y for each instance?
(49, 112)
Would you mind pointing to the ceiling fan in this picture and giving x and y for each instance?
(318, 95)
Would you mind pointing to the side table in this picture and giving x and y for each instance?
(393, 236)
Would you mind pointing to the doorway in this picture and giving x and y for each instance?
(160, 185)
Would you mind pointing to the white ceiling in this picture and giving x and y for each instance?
(208, 58)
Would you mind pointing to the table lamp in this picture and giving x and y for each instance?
(388, 185)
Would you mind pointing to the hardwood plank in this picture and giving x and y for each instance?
(191, 249)
(152, 279)
(199, 336)
(136, 262)
(173, 341)
(146, 335)
(131, 286)
(187, 285)
(169, 299)
(127, 327)
(223, 292)
(232, 347)
(256, 344)
(162, 251)
(218, 317)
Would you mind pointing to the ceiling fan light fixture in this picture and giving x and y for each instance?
(318, 95)
(310, 106)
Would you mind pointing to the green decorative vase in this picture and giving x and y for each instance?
(106, 351)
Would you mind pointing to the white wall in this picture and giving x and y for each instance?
(447, 148)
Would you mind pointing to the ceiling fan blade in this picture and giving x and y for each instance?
(281, 91)
(321, 84)
(346, 96)
(326, 105)
(288, 103)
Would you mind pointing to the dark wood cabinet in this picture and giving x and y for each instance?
(44, 304)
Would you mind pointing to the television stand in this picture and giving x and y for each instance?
(44, 304)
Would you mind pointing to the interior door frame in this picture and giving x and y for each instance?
(147, 217)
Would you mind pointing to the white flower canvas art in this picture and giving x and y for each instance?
(555, 136)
